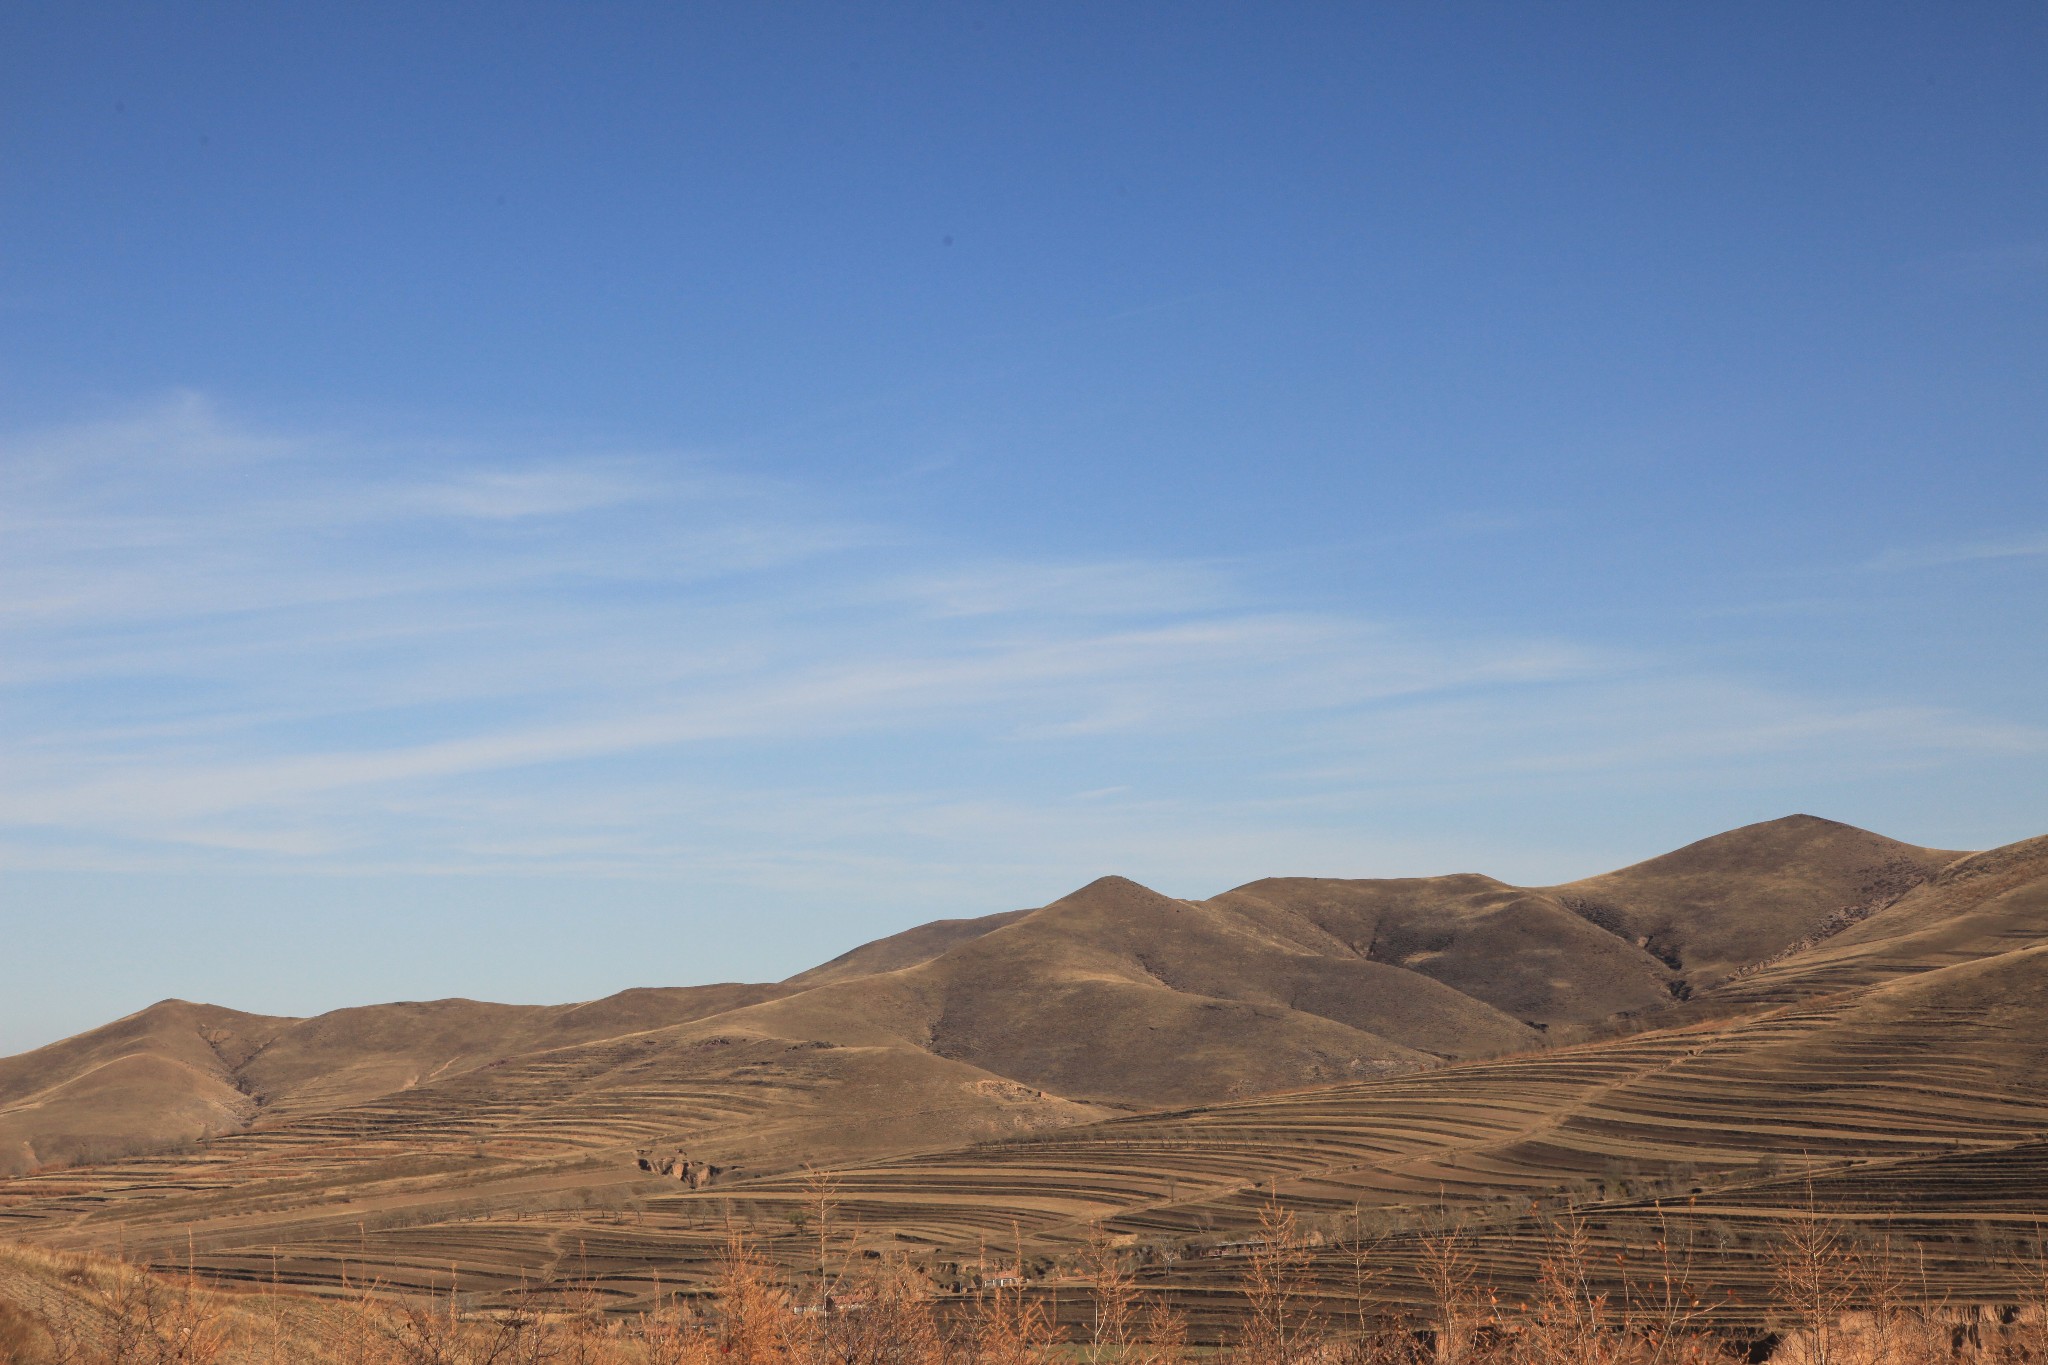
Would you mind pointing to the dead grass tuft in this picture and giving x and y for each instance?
(1838, 1302)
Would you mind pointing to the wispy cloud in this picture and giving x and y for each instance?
(512, 495)
(2024, 546)
(225, 647)
(1108, 588)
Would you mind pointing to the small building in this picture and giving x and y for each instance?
(1244, 1248)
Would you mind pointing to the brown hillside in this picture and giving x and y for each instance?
(1119, 994)
(162, 1076)
(176, 1071)
(1113, 994)
(352, 1055)
(1725, 903)
(1976, 908)
(941, 1091)
(1946, 1061)
(547, 1133)
(1951, 1056)
(906, 949)
(1521, 952)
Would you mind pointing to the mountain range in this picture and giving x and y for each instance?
(1792, 1005)
(1111, 998)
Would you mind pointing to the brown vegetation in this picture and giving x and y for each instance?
(1832, 1302)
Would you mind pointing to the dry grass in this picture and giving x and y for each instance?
(1835, 1302)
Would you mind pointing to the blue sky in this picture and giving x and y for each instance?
(522, 501)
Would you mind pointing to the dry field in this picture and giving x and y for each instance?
(1822, 1297)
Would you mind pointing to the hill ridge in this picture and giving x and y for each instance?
(1152, 1066)
(1113, 993)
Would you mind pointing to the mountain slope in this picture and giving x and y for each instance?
(906, 949)
(1521, 952)
(162, 1076)
(1944, 1047)
(1112, 995)
(177, 1072)
(1724, 903)
(1936, 1057)
(1976, 908)
(938, 1075)
(1119, 994)
(351, 1055)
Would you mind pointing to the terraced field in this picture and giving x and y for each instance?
(1688, 1107)
(1702, 1116)
(522, 1141)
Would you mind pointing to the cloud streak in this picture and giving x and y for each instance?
(1965, 552)
(231, 648)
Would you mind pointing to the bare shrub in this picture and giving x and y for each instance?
(1448, 1275)
(1276, 1289)
(889, 1319)
(1013, 1330)
(1113, 1293)
(1815, 1270)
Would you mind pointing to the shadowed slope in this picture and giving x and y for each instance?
(1521, 952)
(1976, 908)
(1724, 903)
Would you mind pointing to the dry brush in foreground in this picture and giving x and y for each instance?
(1835, 1304)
